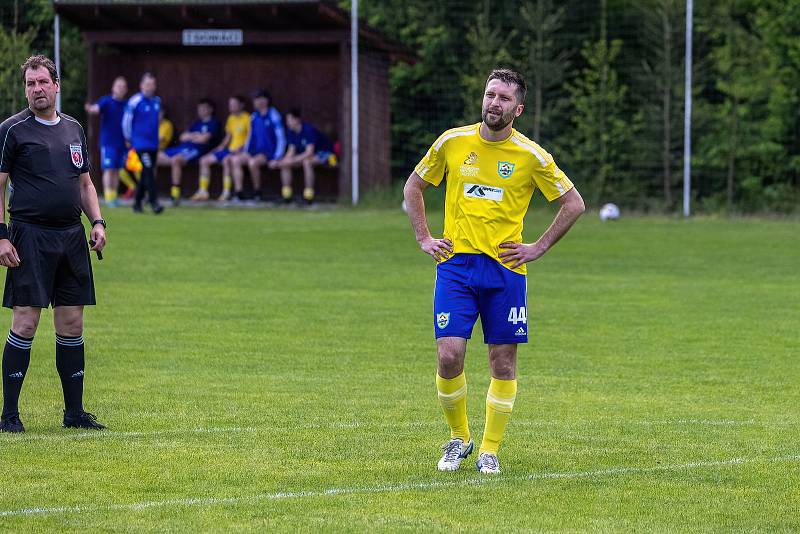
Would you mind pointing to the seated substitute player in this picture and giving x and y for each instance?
(195, 142)
(267, 142)
(113, 152)
(237, 129)
(307, 147)
(492, 171)
(166, 130)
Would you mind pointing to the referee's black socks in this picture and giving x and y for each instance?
(69, 362)
(16, 358)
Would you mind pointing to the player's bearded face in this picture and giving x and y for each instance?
(40, 89)
(499, 105)
(497, 118)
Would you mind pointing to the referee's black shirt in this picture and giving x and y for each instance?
(44, 163)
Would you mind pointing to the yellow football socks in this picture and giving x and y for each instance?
(204, 181)
(308, 193)
(175, 192)
(453, 398)
(110, 195)
(286, 192)
(499, 404)
(227, 183)
(126, 178)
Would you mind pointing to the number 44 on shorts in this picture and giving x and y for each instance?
(518, 315)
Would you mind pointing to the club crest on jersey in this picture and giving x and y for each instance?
(442, 320)
(76, 155)
(505, 169)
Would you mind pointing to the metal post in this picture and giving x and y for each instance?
(354, 100)
(57, 55)
(687, 115)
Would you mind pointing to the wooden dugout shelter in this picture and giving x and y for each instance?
(298, 49)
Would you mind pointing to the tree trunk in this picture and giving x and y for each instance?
(667, 107)
(732, 151)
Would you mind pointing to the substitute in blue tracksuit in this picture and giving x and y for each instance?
(140, 127)
(267, 142)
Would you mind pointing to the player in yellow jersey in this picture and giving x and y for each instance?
(237, 130)
(491, 172)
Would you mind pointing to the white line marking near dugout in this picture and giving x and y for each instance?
(391, 488)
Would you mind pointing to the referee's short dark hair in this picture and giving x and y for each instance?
(34, 62)
(511, 77)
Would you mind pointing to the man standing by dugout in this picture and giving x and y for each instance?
(44, 247)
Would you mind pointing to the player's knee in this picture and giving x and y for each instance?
(503, 363)
(450, 361)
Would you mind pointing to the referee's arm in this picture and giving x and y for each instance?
(8, 254)
(91, 207)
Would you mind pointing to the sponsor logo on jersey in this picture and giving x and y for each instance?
(442, 320)
(520, 332)
(469, 171)
(505, 169)
(483, 191)
(76, 155)
(471, 159)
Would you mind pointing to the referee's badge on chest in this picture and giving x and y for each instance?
(76, 154)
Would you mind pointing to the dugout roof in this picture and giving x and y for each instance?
(322, 17)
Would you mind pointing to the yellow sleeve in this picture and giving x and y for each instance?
(551, 180)
(230, 127)
(432, 167)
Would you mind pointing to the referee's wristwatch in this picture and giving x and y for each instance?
(99, 221)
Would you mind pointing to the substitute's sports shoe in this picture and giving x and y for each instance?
(224, 197)
(455, 451)
(488, 464)
(11, 424)
(82, 420)
(200, 195)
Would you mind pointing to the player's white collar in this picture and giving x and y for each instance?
(46, 122)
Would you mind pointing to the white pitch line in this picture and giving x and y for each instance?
(391, 488)
(111, 434)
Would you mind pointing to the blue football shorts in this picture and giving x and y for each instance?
(113, 157)
(472, 285)
(189, 151)
(224, 153)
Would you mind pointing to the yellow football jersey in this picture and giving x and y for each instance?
(489, 186)
(238, 126)
(165, 132)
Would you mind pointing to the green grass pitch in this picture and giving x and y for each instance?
(273, 370)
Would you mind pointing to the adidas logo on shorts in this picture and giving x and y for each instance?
(520, 332)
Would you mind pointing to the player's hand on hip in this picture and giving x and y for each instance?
(8, 254)
(518, 253)
(438, 249)
(98, 235)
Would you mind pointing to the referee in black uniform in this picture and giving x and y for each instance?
(44, 247)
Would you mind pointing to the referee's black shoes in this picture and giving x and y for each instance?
(82, 420)
(11, 424)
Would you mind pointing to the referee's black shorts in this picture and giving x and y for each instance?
(54, 267)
